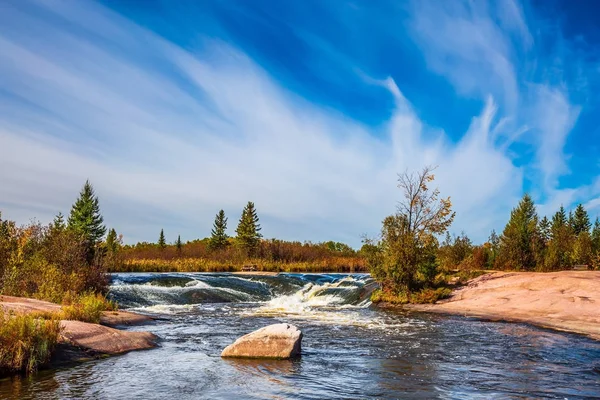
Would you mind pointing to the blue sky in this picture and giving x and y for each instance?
(175, 110)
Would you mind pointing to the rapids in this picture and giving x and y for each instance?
(351, 349)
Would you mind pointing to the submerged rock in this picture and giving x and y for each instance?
(273, 341)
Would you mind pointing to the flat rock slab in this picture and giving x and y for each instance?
(273, 341)
(103, 339)
(565, 300)
(116, 318)
(25, 305)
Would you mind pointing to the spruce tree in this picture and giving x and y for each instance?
(581, 220)
(162, 243)
(218, 237)
(571, 220)
(596, 237)
(85, 219)
(178, 244)
(559, 249)
(248, 230)
(111, 241)
(58, 224)
(544, 229)
(559, 220)
(519, 243)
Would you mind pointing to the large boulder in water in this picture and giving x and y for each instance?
(273, 341)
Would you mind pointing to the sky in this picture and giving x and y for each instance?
(310, 109)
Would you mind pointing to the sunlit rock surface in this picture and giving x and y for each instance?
(273, 341)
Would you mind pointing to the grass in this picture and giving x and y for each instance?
(87, 308)
(26, 341)
(423, 296)
(334, 264)
(442, 289)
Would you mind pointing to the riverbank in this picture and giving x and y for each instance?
(566, 300)
(199, 264)
(82, 340)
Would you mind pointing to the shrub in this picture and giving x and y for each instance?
(88, 308)
(423, 296)
(430, 296)
(26, 341)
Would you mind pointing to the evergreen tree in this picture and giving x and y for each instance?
(596, 237)
(494, 242)
(519, 243)
(178, 244)
(583, 249)
(559, 220)
(571, 220)
(218, 238)
(248, 230)
(85, 219)
(162, 243)
(112, 241)
(544, 229)
(58, 224)
(581, 220)
(560, 246)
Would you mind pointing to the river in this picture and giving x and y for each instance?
(350, 349)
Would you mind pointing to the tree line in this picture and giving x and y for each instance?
(247, 247)
(60, 261)
(408, 259)
(530, 243)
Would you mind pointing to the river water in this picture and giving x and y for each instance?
(350, 348)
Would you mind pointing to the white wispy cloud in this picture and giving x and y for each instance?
(169, 135)
(487, 49)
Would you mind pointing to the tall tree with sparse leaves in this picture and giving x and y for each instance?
(408, 238)
(162, 243)
(85, 218)
(218, 235)
(248, 230)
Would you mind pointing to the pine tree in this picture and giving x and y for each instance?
(559, 248)
(596, 237)
(544, 229)
(58, 224)
(559, 220)
(571, 220)
(218, 238)
(112, 241)
(85, 219)
(494, 242)
(178, 244)
(162, 243)
(248, 230)
(519, 243)
(581, 220)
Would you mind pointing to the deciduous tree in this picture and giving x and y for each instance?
(408, 236)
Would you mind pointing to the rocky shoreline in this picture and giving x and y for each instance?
(81, 341)
(565, 301)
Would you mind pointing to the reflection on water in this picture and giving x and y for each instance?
(350, 350)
